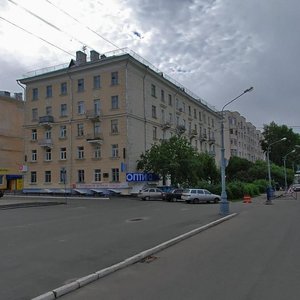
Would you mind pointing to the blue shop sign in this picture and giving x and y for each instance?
(136, 177)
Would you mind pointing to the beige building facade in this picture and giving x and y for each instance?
(241, 137)
(11, 141)
(87, 123)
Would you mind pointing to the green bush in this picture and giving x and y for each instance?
(235, 190)
(261, 184)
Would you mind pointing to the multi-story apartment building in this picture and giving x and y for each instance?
(88, 122)
(11, 141)
(242, 139)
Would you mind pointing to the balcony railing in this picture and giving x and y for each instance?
(93, 115)
(192, 133)
(203, 137)
(46, 119)
(211, 140)
(166, 125)
(94, 138)
(48, 143)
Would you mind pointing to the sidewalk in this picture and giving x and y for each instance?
(11, 201)
(252, 256)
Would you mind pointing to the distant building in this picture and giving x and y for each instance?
(88, 122)
(11, 140)
(241, 138)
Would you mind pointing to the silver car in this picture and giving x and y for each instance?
(199, 196)
(150, 194)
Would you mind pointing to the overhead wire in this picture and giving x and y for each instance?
(37, 36)
(48, 23)
(87, 27)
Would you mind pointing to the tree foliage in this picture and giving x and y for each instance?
(273, 133)
(177, 159)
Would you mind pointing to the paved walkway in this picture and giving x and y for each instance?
(10, 201)
(252, 256)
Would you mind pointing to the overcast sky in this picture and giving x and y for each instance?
(216, 48)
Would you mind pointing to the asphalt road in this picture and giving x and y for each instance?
(254, 256)
(43, 248)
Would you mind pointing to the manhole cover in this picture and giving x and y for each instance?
(139, 219)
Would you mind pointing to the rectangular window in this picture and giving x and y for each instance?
(80, 129)
(33, 177)
(48, 156)
(115, 175)
(115, 102)
(33, 155)
(115, 150)
(48, 176)
(153, 111)
(63, 153)
(97, 152)
(48, 134)
(114, 127)
(33, 134)
(97, 175)
(80, 85)
(153, 90)
(34, 113)
(190, 111)
(114, 78)
(49, 111)
(195, 113)
(80, 107)
(162, 95)
(63, 88)
(170, 100)
(97, 82)
(35, 94)
(154, 133)
(97, 129)
(97, 107)
(80, 152)
(48, 91)
(80, 176)
(63, 131)
(63, 110)
(63, 175)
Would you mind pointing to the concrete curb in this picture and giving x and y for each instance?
(65, 289)
(29, 204)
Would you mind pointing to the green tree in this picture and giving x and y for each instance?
(177, 159)
(237, 169)
(273, 133)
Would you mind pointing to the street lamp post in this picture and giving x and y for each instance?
(269, 201)
(224, 204)
(284, 166)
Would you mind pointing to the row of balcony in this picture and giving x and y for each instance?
(90, 138)
(89, 114)
(192, 133)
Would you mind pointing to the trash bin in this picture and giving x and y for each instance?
(270, 193)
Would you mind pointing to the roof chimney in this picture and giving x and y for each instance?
(94, 55)
(80, 57)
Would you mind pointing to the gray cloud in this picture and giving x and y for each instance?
(215, 48)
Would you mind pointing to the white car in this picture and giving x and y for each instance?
(150, 194)
(199, 196)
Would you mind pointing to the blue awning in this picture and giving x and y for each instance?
(9, 177)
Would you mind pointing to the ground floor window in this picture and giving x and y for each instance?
(47, 176)
(115, 174)
(80, 175)
(33, 177)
